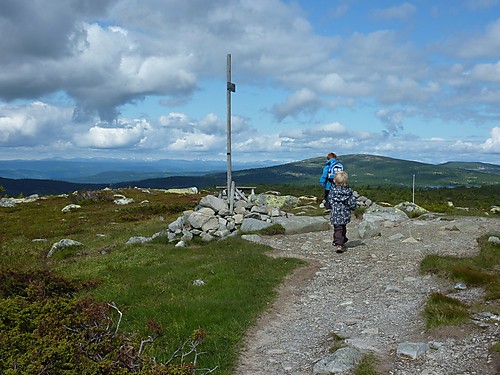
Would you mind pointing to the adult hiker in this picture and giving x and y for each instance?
(326, 180)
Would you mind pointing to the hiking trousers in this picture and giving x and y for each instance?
(339, 234)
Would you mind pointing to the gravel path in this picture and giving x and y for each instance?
(373, 296)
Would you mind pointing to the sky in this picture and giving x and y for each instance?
(147, 79)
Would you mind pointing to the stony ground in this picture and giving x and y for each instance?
(373, 296)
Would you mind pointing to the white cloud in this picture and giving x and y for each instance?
(114, 136)
(401, 12)
(304, 99)
(486, 72)
(192, 143)
(492, 144)
(481, 45)
(100, 57)
(33, 123)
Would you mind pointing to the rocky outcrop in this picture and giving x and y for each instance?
(376, 217)
(12, 202)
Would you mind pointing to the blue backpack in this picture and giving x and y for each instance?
(334, 168)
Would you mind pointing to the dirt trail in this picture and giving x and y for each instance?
(372, 295)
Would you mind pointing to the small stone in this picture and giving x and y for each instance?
(411, 349)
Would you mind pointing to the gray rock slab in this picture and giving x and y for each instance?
(302, 224)
(252, 225)
(214, 203)
(412, 349)
(340, 361)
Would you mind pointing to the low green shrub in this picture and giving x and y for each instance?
(46, 329)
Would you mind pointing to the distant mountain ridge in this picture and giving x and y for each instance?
(97, 170)
(364, 170)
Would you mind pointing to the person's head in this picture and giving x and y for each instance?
(331, 155)
(341, 178)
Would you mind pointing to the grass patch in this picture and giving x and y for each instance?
(152, 284)
(272, 230)
(441, 310)
(367, 365)
(481, 270)
(156, 282)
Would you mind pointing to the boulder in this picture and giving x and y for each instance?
(198, 218)
(178, 224)
(188, 190)
(412, 349)
(123, 201)
(340, 361)
(214, 203)
(71, 207)
(369, 229)
(138, 239)
(7, 202)
(411, 208)
(62, 244)
(252, 225)
(275, 201)
(302, 224)
(378, 213)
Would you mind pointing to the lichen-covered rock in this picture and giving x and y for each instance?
(189, 190)
(411, 208)
(275, 201)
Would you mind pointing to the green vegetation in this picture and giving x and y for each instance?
(364, 171)
(367, 365)
(474, 201)
(272, 230)
(371, 170)
(477, 200)
(107, 307)
(144, 292)
(337, 342)
(441, 310)
(481, 271)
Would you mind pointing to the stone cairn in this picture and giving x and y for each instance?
(212, 218)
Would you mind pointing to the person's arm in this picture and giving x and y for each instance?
(324, 175)
(352, 203)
